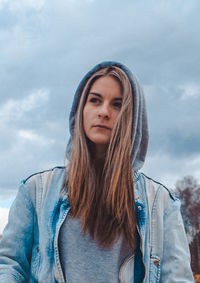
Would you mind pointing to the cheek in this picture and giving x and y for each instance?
(85, 118)
(115, 115)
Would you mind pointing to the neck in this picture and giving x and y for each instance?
(99, 154)
(100, 151)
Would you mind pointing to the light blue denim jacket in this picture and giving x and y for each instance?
(29, 246)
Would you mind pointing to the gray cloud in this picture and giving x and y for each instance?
(174, 118)
(47, 46)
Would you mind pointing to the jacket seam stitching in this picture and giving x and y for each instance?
(170, 193)
(152, 222)
(40, 172)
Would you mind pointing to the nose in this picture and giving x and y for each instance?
(104, 111)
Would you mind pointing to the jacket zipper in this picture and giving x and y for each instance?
(59, 267)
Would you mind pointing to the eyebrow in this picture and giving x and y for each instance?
(99, 95)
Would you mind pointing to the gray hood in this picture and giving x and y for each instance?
(140, 132)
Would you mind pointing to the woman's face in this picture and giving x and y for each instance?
(101, 110)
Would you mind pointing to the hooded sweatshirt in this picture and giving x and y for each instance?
(140, 133)
(75, 247)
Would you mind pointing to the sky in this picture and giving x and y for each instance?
(45, 49)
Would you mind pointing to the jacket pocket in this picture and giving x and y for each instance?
(154, 276)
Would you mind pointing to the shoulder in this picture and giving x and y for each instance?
(157, 193)
(35, 185)
(154, 186)
(37, 180)
(41, 174)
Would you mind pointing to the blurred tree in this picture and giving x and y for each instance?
(189, 194)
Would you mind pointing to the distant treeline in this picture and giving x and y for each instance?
(189, 193)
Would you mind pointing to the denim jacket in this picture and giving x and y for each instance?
(29, 246)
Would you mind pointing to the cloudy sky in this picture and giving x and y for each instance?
(47, 46)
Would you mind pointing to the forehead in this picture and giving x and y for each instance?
(107, 84)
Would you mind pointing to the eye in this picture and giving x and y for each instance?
(117, 105)
(94, 100)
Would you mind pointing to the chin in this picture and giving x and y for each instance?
(100, 140)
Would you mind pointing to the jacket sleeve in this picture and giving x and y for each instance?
(17, 239)
(175, 265)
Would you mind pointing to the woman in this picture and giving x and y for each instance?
(98, 219)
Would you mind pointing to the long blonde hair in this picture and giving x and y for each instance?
(104, 199)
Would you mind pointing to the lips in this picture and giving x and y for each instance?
(102, 127)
